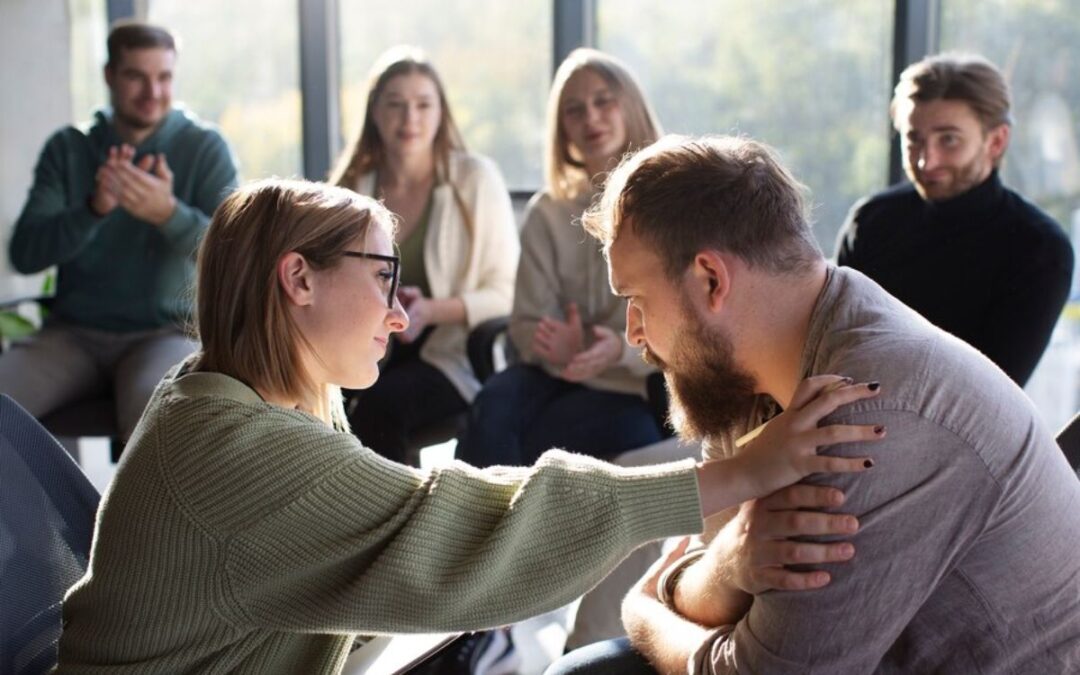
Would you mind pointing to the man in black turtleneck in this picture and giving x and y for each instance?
(969, 254)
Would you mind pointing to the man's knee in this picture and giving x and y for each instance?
(48, 370)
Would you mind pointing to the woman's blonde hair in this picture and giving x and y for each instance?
(366, 152)
(564, 171)
(241, 311)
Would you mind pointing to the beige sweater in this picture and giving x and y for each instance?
(478, 269)
(240, 537)
(560, 264)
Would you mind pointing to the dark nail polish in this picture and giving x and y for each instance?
(868, 463)
(879, 429)
(873, 386)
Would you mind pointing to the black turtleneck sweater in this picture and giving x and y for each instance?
(987, 266)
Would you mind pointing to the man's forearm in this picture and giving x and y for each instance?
(666, 639)
(706, 592)
(706, 595)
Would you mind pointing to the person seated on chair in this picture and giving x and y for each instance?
(731, 297)
(955, 244)
(119, 207)
(458, 242)
(247, 531)
(580, 386)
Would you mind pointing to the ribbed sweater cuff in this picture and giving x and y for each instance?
(661, 500)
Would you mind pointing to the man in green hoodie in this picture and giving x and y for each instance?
(119, 207)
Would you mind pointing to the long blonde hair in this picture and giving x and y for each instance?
(241, 310)
(564, 172)
(366, 152)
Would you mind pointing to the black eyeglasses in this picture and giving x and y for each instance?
(395, 270)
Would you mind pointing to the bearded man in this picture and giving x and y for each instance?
(955, 245)
(962, 545)
(119, 207)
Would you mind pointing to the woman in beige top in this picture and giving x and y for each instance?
(579, 386)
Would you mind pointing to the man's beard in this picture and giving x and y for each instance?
(710, 394)
(962, 179)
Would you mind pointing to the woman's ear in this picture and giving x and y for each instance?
(712, 279)
(296, 279)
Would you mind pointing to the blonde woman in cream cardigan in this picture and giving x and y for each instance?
(580, 386)
(457, 240)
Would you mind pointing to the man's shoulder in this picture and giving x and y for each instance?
(1035, 225)
(872, 220)
(901, 196)
(188, 126)
(70, 135)
(922, 369)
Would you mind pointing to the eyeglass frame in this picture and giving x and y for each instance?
(394, 260)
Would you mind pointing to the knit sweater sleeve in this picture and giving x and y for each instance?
(323, 535)
(55, 224)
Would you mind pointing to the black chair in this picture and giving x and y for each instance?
(94, 415)
(1069, 440)
(488, 351)
(47, 509)
(91, 416)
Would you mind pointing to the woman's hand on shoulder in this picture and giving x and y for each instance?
(787, 448)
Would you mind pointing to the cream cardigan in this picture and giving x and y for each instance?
(482, 274)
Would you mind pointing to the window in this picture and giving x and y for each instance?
(1036, 45)
(238, 67)
(88, 55)
(809, 78)
(494, 58)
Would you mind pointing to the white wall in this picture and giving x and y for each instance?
(35, 62)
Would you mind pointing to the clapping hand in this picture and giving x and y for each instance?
(603, 353)
(144, 188)
(106, 195)
(557, 342)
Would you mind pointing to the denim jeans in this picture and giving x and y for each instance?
(602, 658)
(522, 411)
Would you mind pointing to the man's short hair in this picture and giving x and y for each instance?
(136, 35)
(683, 195)
(955, 76)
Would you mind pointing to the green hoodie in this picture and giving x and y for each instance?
(118, 273)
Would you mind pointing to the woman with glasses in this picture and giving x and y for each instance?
(246, 531)
(457, 239)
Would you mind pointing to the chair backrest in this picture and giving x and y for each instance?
(47, 509)
(1069, 440)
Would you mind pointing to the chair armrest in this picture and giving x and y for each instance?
(483, 341)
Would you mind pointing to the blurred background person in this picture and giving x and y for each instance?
(119, 207)
(579, 386)
(457, 240)
(955, 244)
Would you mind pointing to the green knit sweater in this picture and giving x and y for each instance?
(241, 537)
(118, 273)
